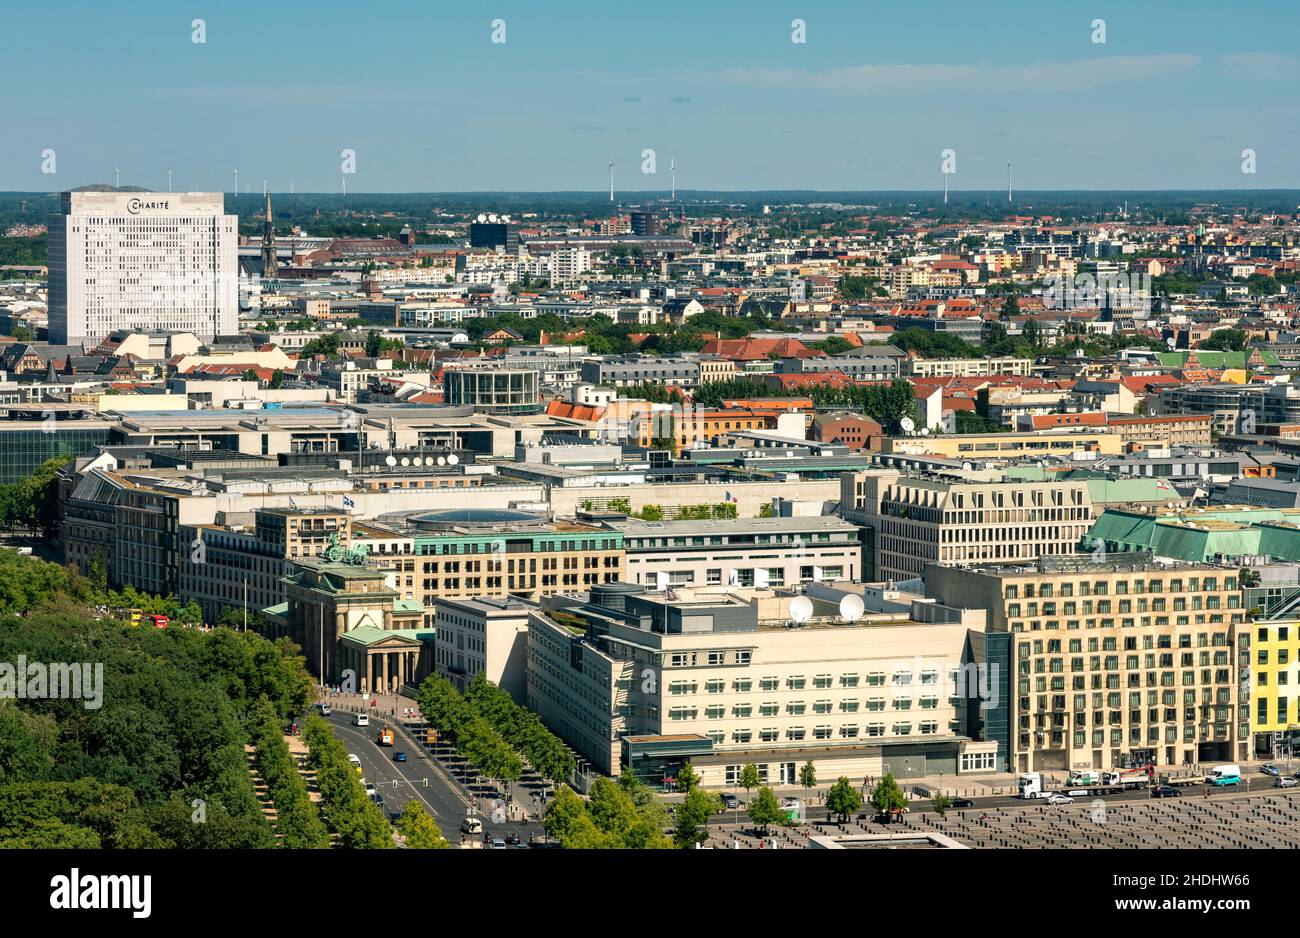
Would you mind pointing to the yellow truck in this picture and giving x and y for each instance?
(385, 737)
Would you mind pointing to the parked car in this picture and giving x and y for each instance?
(399, 756)
(1057, 798)
(1165, 791)
(730, 801)
(1268, 768)
(1286, 781)
(963, 803)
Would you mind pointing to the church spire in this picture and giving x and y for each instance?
(268, 242)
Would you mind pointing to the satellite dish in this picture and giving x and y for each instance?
(925, 431)
(506, 219)
(481, 218)
(852, 607)
(417, 461)
(453, 459)
(390, 460)
(492, 217)
(442, 460)
(801, 609)
(406, 461)
(908, 424)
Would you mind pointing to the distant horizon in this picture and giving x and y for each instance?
(604, 193)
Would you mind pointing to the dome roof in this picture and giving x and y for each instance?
(475, 516)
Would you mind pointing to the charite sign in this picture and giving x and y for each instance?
(136, 206)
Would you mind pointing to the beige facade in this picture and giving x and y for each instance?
(485, 636)
(1008, 445)
(920, 520)
(967, 367)
(241, 564)
(1115, 662)
(725, 674)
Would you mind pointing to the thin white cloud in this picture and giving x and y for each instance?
(1073, 75)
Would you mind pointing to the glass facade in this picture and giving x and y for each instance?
(22, 450)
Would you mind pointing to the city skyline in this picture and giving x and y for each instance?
(867, 102)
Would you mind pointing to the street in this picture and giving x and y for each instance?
(425, 779)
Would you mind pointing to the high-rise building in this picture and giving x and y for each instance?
(142, 260)
(645, 224)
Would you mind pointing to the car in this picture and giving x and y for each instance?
(324, 709)
(1268, 768)
(730, 801)
(1057, 798)
(1165, 791)
(378, 799)
(1286, 781)
(360, 719)
(471, 825)
(963, 803)
(498, 843)
(354, 761)
(395, 815)
(399, 756)
(513, 840)
(371, 790)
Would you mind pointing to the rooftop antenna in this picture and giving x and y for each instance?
(169, 180)
(117, 178)
(1008, 182)
(236, 182)
(945, 188)
(672, 160)
(611, 182)
(263, 188)
(345, 186)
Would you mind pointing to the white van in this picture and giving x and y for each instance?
(354, 761)
(471, 825)
(1222, 775)
(360, 719)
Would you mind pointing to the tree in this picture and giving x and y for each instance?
(1225, 340)
(1010, 308)
(765, 810)
(843, 799)
(749, 778)
(808, 776)
(374, 344)
(941, 803)
(693, 817)
(1031, 331)
(687, 779)
(887, 798)
(418, 830)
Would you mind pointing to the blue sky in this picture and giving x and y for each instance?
(429, 103)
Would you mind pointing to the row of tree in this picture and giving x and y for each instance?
(454, 717)
(522, 729)
(354, 818)
(297, 821)
(618, 815)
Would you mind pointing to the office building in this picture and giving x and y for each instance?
(1117, 661)
(144, 261)
(723, 677)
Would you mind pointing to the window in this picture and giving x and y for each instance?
(717, 658)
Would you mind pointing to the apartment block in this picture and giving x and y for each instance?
(1119, 661)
